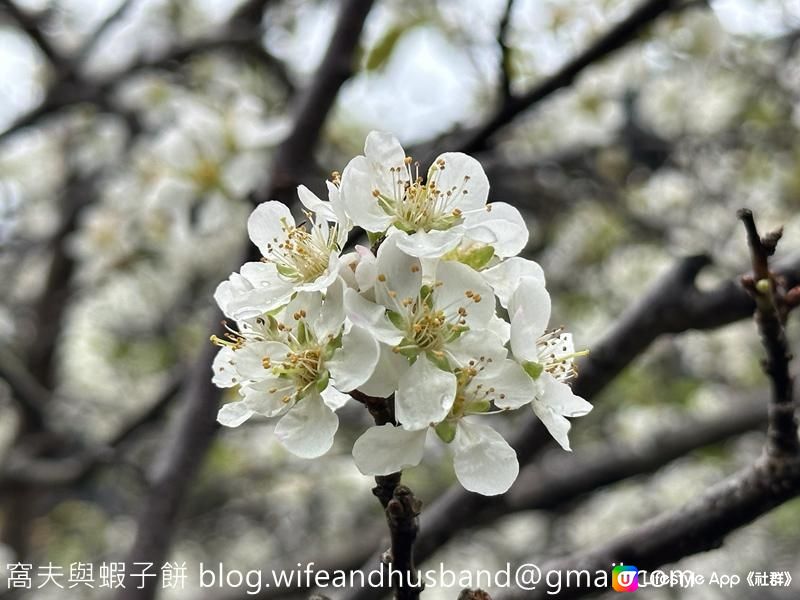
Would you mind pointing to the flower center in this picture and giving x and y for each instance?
(427, 328)
(419, 206)
(557, 354)
(304, 252)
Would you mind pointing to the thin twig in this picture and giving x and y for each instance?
(505, 52)
(770, 316)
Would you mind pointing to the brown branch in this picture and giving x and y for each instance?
(194, 426)
(701, 525)
(505, 53)
(401, 513)
(401, 509)
(770, 316)
(72, 89)
(50, 307)
(314, 105)
(477, 138)
(672, 305)
(30, 396)
(25, 470)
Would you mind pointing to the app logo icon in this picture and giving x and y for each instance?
(624, 578)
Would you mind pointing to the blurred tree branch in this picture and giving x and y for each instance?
(194, 425)
(672, 305)
(71, 87)
(476, 139)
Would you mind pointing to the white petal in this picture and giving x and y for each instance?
(457, 166)
(500, 328)
(505, 277)
(334, 398)
(315, 204)
(307, 430)
(255, 291)
(559, 396)
(556, 403)
(325, 279)
(501, 226)
(387, 374)
(382, 148)
(456, 280)
(402, 274)
(425, 395)
(529, 309)
(268, 396)
(331, 316)
(510, 381)
(429, 244)
(233, 414)
(267, 224)
(249, 359)
(366, 269)
(483, 460)
(476, 344)
(225, 374)
(358, 183)
(371, 317)
(386, 449)
(355, 361)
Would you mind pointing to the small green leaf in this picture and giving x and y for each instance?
(478, 258)
(396, 319)
(439, 361)
(446, 430)
(382, 51)
(322, 382)
(533, 369)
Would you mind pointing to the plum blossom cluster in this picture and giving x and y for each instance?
(439, 316)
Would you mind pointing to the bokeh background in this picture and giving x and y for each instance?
(136, 137)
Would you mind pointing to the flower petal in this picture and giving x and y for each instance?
(269, 397)
(382, 148)
(505, 277)
(234, 414)
(267, 225)
(456, 281)
(334, 398)
(425, 395)
(307, 430)
(386, 449)
(529, 309)
(501, 226)
(358, 183)
(371, 317)
(224, 370)
(483, 460)
(557, 402)
(429, 244)
(355, 361)
(386, 376)
(399, 274)
(315, 204)
(513, 386)
(461, 173)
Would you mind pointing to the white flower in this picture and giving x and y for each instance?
(548, 357)
(295, 366)
(383, 191)
(420, 321)
(297, 258)
(483, 460)
(209, 150)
